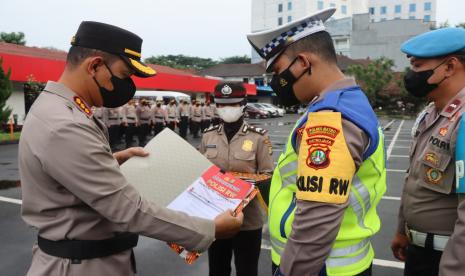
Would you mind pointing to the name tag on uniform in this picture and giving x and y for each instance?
(211, 146)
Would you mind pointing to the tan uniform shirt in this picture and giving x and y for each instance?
(429, 203)
(159, 114)
(144, 114)
(183, 111)
(247, 152)
(196, 115)
(113, 116)
(316, 224)
(171, 111)
(129, 114)
(72, 188)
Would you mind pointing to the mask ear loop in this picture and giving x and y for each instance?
(438, 67)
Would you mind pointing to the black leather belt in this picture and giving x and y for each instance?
(131, 118)
(88, 249)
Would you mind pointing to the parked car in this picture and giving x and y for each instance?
(280, 111)
(270, 111)
(253, 112)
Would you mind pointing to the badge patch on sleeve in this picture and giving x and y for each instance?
(326, 167)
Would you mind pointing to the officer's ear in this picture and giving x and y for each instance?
(453, 65)
(93, 65)
(306, 60)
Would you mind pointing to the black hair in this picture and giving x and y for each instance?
(77, 54)
(320, 44)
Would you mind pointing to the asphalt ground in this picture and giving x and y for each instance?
(154, 258)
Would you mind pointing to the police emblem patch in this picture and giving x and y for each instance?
(433, 175)
(431, 158)
(226, 90)
(247, 145)
(321, 138)
(318, 157)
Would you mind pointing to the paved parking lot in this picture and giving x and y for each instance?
(154, 258)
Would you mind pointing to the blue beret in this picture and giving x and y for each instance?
(435, 43)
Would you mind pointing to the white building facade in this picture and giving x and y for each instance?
(381, 10)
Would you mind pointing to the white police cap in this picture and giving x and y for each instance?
(270, 44)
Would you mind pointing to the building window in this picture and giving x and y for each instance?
(280, 7)
(398, 8)
(289, 18)
(372, 11)
(411, 17)
(289, 6)
(344, 9)
(280, 21)
(427, 18)
(383, 10)
(427, 6)
(412, 8)
(321, 5)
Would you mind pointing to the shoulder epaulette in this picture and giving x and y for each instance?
(258, 130)
(211, 128)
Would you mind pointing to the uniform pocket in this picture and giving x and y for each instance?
(434, 171)
(244, 155)
(211, 153)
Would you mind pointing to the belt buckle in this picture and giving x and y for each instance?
(408, 234)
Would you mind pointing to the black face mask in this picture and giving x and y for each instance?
(417, 84)
(283, 85)
(123, 91)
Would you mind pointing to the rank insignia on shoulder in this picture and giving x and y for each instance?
(211, 128)
(258, 130)
(82, 106)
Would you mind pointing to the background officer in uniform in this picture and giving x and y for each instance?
(331, 176)
(144, 116)
(208, 115)
(236, 146)
(196, 119)
(159, 117)
(113, 124)
(87, 214)
(183, 113)
(171, 111)
(429, 226)
(130, 122)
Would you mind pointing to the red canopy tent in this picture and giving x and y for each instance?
(45, 64)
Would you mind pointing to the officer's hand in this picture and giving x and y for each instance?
(399, 246)
(124, 155)
(227, 225)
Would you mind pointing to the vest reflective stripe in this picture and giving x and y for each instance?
(290, 167)
(344, 251)
(338, 262)
(277, 245)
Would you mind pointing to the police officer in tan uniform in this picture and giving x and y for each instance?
(236, 146)
(196, 119)
(144, 116)
(430, 235)
(158, 116)
(207, 116)
(87, 215)
(130, 122)
(171, 111)
(183, 113)
(318, 226)
(113, 123)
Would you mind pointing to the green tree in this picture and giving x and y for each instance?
(235, 60)
(5, 92)
(13, 37)
(460, 25)
(182, 61)
(373, 78)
